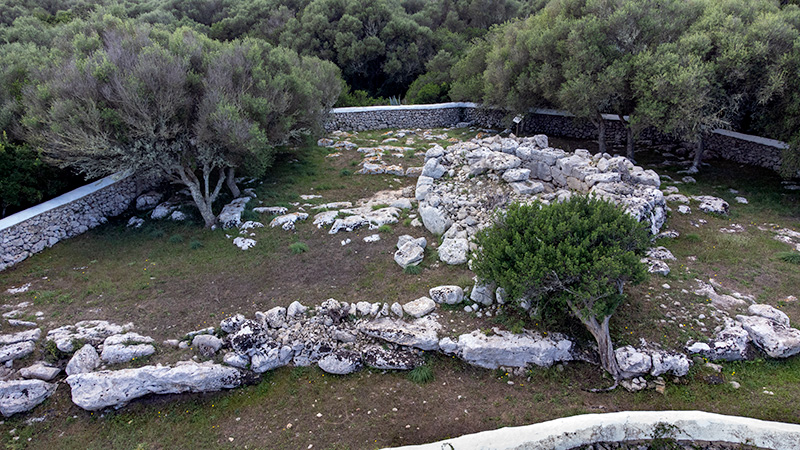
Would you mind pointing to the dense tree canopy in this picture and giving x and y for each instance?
(176, 104)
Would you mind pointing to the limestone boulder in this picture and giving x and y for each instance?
(713, 205)
(384, 359)
(449, 295)
(633, 362)
(16, 351)
(454, 251)
(39, 371)
(434, 219)
(409, 254)
(83, 361)
(419, 307)
(503, 348)
(97, 390)
(18, 396)
(208, 345)
(421, 333)
(774, 338)
(677, 364)
(341, 362)
(270, 356)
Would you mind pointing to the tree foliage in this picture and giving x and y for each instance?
(566, 258)
(176, 104)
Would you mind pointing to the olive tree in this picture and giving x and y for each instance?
(572, 258)
(176, 105)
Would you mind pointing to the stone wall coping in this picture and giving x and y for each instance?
(359, 109)
(570, 432)
(751, 138)
(545, 111)
(61, 200)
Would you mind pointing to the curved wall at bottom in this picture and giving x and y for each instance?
(571, 432)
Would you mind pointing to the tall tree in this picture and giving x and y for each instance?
(176, 105)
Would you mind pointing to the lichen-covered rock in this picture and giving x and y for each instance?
(97, 390)
(18, 396)
(454, 251)
(341, 362)
(633, 362)
(513, 350)
(83, 361)
(383, 359)
(773, 337)
(419, 307)
(449, 295)
(421, 333)
(409, 254)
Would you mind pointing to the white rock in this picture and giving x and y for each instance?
(683, 209)
(483, 293)
(419, 307)
(15, 351)
(287, 221)
(447, 294)
(372, 238)
(513, 350)
(422, 242)
(236, 360)
(121, 353)
(269, 358)
(276, 317)
(433, 169)
(83, 361)
(454, 251)
(410, 254)
(231, 214)
(434, 219)
(397, 309)
(663, 362)
(97, 390)
(207, 344)
(295, 309)
(776, 339)
(421, 333)
(23, 395)
(273, 210)
(244, 243)
(135, 222)
(349, 223)
(711, 204)
(127, 339)
(39, 371)
(22, 336)
(147, 200)
(741, 200)
(514, 175)
(232, 324)
(383, 359)
(633, 362)
(660, 253)
(768, 312)
(341, 362)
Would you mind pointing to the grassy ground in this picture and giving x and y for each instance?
(171, 278)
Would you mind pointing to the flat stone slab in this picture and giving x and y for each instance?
(421, 333)
(23, 395)
(419, 307)
(512, 350)
(97, 390)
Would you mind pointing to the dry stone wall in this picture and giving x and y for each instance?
(68, 215)
(723, 144)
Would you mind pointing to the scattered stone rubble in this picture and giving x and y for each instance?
(462, 185)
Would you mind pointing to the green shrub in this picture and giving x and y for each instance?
(384, 229)
(298, 247)
(345, 172)
(570, 258)
(379, 206)
(421, 374)
(790, 257)
(175, 239)
(195, 244)
(412, 270)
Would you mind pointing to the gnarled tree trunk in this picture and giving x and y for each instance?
(698, 155)
(201, 194)
(231, 181)
(601, 133)
(601, 334)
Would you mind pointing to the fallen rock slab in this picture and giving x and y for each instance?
(22, 336)
(341, 362)
(774, 338)
(23, 395)
(513, 350)
(39, 371)
(97, 390)
(421, 333)
(419, 307)
(449, 295)
(16, 351)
